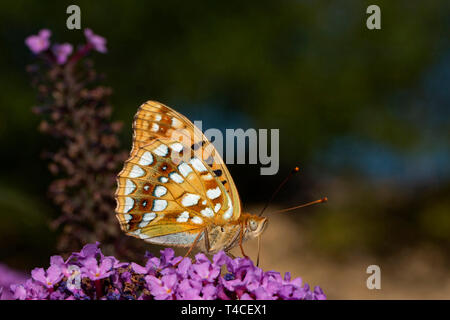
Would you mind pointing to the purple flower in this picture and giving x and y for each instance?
(20, 293)
(95, 271)
(186, 291)
(96, 41)
(61, 264)
(162, 289)
(34, 290)
(40, 42)
(318, 293)
(266, 293)
(138, 268)
(57, 295)
(209, 292)
(117, 263)
(151, 266)
(203, 270)
(62, 52)
(184, 267)
(220, 258)
(49, 278)
(246, 296)
(244, 272)
(168, 258)
(89, 250)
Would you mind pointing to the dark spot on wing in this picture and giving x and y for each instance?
(197, 145)
(163, 167)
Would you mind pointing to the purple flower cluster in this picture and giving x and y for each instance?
(89, 274)
(60, 53)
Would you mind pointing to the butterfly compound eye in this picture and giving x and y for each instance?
(253, 224)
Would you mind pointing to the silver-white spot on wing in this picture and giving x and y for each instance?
(159, 205)
(190, 199)
(146, 159)
(229, 213)
(129, 187)
(139, 234)
(207, 177)
(136, 172)
(217, 207)
(207, 212)
(159, 191)
(155, 127)
(176, 177)
(148, 216)
(163, 179)
(184, 169)
(129, 204)
(213, 193)
(197, 220)
(176, 146)
(143, 224)
(183, 217)
(197, 164)
(162, 150)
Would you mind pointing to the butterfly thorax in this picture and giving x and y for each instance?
(221, 238)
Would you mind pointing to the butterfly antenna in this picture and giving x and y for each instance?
(293, 171)
(325, 199)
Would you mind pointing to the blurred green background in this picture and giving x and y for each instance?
(365, 114)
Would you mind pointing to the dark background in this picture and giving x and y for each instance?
(364, 113)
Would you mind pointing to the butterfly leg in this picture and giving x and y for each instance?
(241, 239)
(207, 245)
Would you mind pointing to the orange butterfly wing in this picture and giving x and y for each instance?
(174, 184)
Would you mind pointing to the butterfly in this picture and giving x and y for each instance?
(175, 189)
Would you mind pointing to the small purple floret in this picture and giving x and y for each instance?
(97, 42)
(40, 42)
(62, 52)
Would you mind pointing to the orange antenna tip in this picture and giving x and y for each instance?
(293, 171)
(324, 199)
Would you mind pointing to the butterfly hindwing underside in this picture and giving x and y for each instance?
(174, 186)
